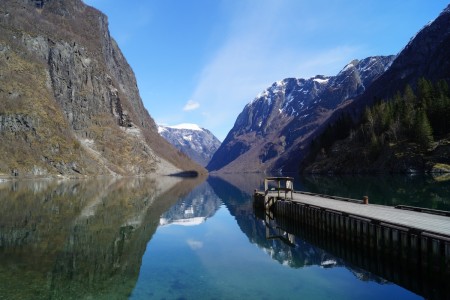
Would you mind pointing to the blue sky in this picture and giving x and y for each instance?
(202, 61)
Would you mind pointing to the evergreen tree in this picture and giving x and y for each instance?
(422, 129)
(439, 110)
(425, 92)
(407, 110)
(404, 118)
(409, 97)
(444, 101)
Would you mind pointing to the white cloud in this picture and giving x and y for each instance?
(262, 47)
(191, 105)
(195, 245)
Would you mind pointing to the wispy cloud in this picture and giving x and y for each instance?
(258, 52)
(191, 105)
(195, 245)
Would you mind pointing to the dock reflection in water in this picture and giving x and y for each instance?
(382, 265)
(299, 245)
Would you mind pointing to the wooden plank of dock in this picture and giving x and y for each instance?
(422, 222)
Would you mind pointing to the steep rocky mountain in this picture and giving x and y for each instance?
(274, 129)
(69, 102)
(197, 143)
(427, 55)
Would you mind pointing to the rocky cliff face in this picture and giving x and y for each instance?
(273, 130)
(197, 143)
(69, 102)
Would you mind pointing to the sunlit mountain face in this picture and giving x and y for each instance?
(272, 130)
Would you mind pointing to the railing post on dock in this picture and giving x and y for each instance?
(266, 190)
(366, 200)
(279, 187)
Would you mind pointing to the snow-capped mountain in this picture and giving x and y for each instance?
(201, 204)
(196, 142)
(279, 121)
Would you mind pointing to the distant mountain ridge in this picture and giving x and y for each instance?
(196, 142)
(280, 121)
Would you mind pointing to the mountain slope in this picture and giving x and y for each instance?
(427, 56)
(69, 102)
(197, 143)
(279, 122)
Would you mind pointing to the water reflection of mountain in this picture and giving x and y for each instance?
(245, 183)
(298, 246)
(415, 190)
(79, 239)
(201, 204)
(294, 252)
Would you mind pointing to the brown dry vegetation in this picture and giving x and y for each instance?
(23, 91)
(50, 143)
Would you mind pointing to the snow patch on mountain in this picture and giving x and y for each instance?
(187, 126)
(321, 80)
(283, 116)
(196, 142)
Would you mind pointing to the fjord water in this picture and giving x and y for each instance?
(166, 238)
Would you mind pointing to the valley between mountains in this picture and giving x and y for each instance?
(70, 106)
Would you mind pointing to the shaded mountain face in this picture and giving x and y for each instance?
(427, 56)
(69, 102)
(273, 130)
(197, 143)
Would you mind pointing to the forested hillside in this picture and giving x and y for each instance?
(407, 133)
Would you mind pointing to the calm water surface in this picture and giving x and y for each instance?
(174, 239)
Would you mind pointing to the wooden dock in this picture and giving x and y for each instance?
(422, 236)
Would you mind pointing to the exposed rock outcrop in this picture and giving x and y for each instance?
(69, 98)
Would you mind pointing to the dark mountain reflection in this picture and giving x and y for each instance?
(297, 247)
(415, 190)
(85, 239)
(79, 239)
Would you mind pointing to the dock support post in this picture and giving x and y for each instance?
(447, 256)
(414, 242)
(424, 251)
(404, 245)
